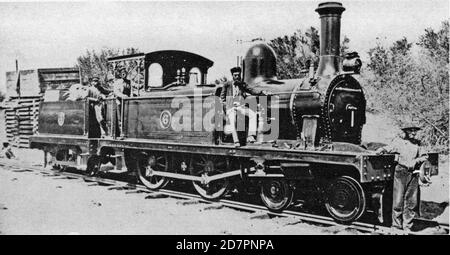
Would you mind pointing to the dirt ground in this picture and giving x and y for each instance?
(31, 203)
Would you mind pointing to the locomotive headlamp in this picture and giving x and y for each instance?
(352, 63)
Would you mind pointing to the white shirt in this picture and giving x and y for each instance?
(408, 152)
(118, 87)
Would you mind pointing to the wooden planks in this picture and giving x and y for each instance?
(33, 82)
(25, 88)
(21, 119)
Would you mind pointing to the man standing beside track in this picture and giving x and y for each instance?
(406, 178)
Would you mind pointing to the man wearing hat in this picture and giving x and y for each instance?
(95, 82)
(122, 89)
(233, 96)
(122, 86)
(96, 91)
(405, 206)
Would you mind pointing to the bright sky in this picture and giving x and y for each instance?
(41, 34)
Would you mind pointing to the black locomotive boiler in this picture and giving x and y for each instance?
(316, 152)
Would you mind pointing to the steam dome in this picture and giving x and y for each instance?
(260, 64)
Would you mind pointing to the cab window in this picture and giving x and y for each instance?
(155, 75)
(195, 76)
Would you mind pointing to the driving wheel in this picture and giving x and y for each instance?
(205, 165)
(147, 164)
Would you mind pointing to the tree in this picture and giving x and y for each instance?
(379, 60)
(436, 44)
(294, 52)
(413, 86)
(94, 63)
(2, 96)
(434, 81)
(401, 47)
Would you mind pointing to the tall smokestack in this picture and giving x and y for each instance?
(330, 30)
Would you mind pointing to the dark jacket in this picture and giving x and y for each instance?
(226, 95)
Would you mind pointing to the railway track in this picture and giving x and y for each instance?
(302, 217)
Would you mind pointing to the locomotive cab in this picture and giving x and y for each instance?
(161, 71)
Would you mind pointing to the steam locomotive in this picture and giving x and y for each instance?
(316, 150)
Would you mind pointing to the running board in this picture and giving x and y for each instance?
(202, 179)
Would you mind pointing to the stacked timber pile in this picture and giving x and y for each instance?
(25, 90)
(22, 120)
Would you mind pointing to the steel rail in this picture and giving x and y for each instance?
(304, 217)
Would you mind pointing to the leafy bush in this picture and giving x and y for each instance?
(94, 63)
(413, 85)
(294, 52)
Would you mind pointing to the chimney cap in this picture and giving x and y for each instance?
(330, 8)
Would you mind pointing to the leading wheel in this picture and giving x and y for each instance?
(345, 200)
(204, 165)
(276, 194)
(149, 162)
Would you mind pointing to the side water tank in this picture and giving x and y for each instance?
(260, 64)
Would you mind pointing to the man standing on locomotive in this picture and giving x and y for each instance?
(97, 92)
(406, 178)
(233, 95)
(122, 90)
